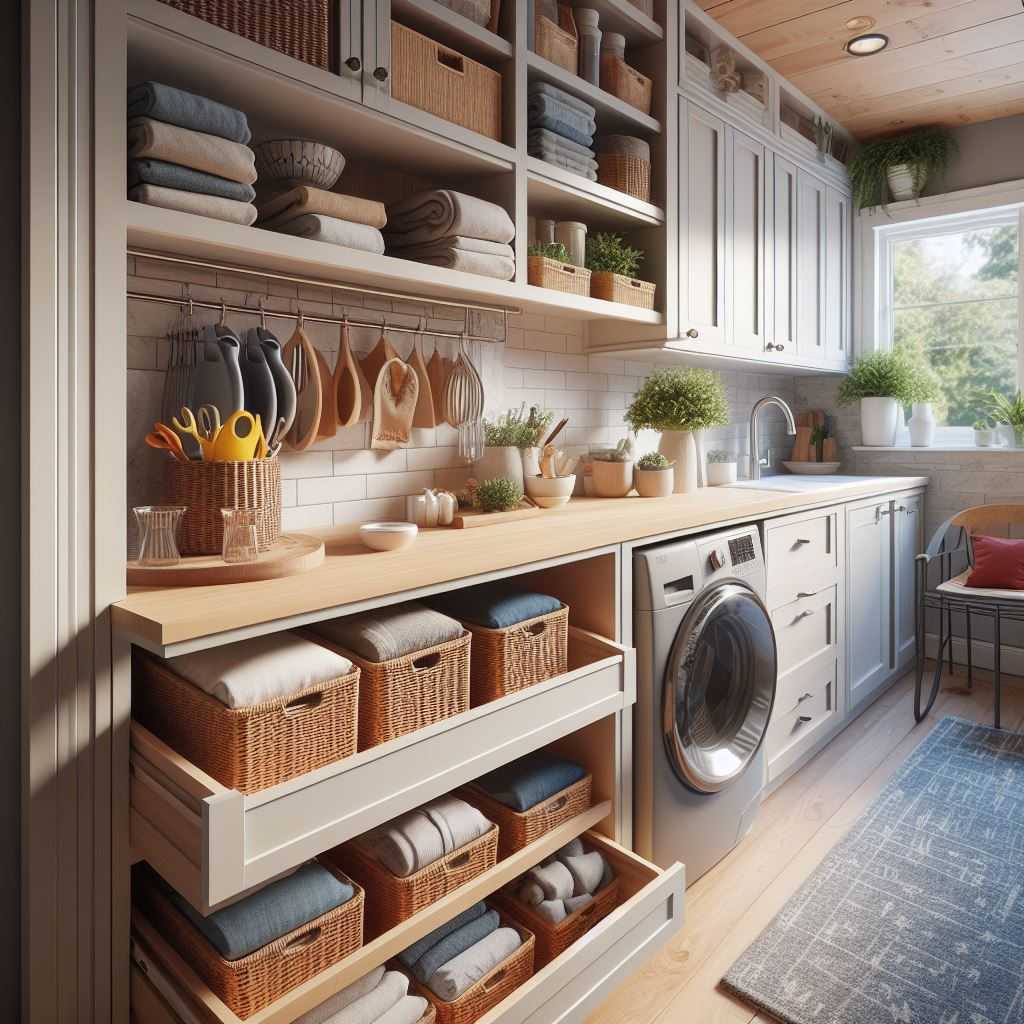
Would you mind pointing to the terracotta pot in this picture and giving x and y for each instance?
(655, 483)
(612, 479)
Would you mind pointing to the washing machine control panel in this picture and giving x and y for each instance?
(741, 549)
(717, 559)
(738, 554)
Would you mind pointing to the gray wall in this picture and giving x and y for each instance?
(990, 152)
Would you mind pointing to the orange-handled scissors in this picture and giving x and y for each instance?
(162, 437)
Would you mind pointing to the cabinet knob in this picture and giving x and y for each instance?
(354, 64)
(804, 719)
(693, 333)
(774, 347)
(381, 74)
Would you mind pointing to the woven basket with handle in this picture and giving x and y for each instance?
(619, 288)
(544, 272)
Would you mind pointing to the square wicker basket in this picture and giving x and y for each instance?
(619, 288)
(625, 173)
(625, 82)
(559, 43)
(253, 748)
(253, 982)
(544, 272)
(392, 900)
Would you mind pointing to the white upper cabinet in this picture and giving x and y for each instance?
(810, 268)
(838, 276)
(781, 246)
(350, 47)
(745, 240)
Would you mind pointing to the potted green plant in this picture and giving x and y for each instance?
(497, 495)
(900, 163)
(1009, 413)
(984, 433)
(678, 403)
(881, 382)
(612, 471)
(653, 476)
(614, 266)
(507, 439)
(721, 468)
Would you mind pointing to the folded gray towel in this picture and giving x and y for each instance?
(555, 880)
(542, 138)
(392, 990)
(185, 109)
(159, 172)
(407, 1010)
(531, 893)
(451, 980)
(574, 903)
(479, 263)
(549, 154)
(452, 945)
(538, 88)
(587, 871)
(215, 207)
(409, 955)
(388, 633)
(552, 910)
(319, 228)
(573, 848)
(325, 1012)
(460, 242)
(437, 213)
(567, 165)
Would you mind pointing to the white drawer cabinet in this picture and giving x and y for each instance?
(805, 712)
(802, 554)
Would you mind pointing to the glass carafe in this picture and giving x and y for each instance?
(158, 528)
(241, 543)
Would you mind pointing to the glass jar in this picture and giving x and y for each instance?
(158, 528)
(240, 541)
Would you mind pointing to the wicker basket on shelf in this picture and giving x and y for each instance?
(625, 82)
(562, 277)
(619, 288)
(625, 174)
(296, 28)
(559, 43)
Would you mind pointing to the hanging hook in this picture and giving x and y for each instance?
(300, 321)
(263, 315)
(223, 313)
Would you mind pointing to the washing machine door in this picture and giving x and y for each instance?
(719, 686)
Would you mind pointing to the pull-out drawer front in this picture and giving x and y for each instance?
(801, 555)
(804, 630)
(805, 711)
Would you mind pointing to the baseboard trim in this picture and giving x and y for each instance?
(981, 654)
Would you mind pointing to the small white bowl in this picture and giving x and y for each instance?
(387, 536)
(550, 493)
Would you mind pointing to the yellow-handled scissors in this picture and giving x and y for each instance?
(190, 428)
(208, 417)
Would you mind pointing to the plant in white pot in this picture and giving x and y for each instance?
(881, 382)
(679, 403)
(985, 434)
(721, 468)
(653, 476)
(1009, 413)
(922, 393)
(506, 439)
(900, 164)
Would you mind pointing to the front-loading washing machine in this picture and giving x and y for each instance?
(706, 675)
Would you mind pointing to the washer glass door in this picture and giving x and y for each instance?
(719, 687)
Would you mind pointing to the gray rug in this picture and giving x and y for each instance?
(917, 916)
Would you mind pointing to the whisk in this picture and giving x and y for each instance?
(182, 336)
(464, 404)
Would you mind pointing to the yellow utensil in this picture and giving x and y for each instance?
(185, 423)
(234, 445)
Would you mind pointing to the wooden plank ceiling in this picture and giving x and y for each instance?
(948, 62)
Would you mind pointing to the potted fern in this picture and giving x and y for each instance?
(1009, 413)
(614, 266)
(653, 476)
(882, 382)
(900, 164)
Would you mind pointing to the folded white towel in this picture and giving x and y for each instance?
(326, 1011)
(428, 216)
(335, 232)
(553, 910)
(555, 880)
(216, 207)
(480, 263)
(407, 1010)
(370, 1008)
(450, 981)
(587, 871)
(460, 242)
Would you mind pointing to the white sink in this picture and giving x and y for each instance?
(793, 482)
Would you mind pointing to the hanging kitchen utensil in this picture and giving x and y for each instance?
(438, 370)
(283, 382)
(424, 415)
(238, 439)
(162, 437)
(216, 378)
(394, 405)
(328, 425)
(258, 387)
(300, 357)
(474, 443)
(192, 433)
(377, 357)
(350, 384)
(169, 403)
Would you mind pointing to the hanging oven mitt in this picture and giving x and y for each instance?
(394, 405)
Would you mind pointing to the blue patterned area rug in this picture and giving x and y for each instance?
(917, 916)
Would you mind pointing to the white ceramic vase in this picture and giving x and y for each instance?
(680, 448)
(504, 462)
(654, 483)
(720, 473)
(901, 182)
(922, 425)
(985, 438)
(878, 420)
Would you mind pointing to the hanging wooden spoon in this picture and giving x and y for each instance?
(376, 358)
(328, 425)
(424, 415)
(350, 386)
(300, 358)
(438, 370)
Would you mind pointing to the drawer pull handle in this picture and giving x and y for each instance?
(800, 541)
(806, 696)
(537, 629)
(426, 662)
(556, 805)
(459, 861)
(804, 614)
(804, 593)
(300, 942)
(804, 719)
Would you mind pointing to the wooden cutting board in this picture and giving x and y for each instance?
(471, 518)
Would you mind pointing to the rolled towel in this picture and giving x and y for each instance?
(391, 632)
(434, 214)
(555, 880)
(468, 262)
(458, 822)
(185, 109)
(452, 945)
(552, 911)
(543, 138)
(407, 1010)
(412, 953)
(586, 871)
(463, 244)
(319, 228)
(392, 990)
(201, 152)
(573, 848)
(192, 202)
(524, 783)
(531, 893)
(306, 199)
(608, 875)
(324, 1013)
(450, 981)
(159, 172)
(574, 903)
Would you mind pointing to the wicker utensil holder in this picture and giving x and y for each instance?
(559, 43)
(253, 982)
(625, 82)
(252, 748)
(391, 899)
(204, 488)
(626, 174)
(491, 989)
(297, 28)
(619, 288)
(517, 829)
(562, 277)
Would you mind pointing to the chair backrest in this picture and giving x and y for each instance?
(991, 520)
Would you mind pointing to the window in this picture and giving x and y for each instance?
(949, 291)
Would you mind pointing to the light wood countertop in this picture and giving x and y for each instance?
(351, 574)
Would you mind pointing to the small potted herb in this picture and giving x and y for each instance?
(984, 434)
(900, 164)
(507, 440)
(1008, 413)
(614, 266)
(721, 468)
(882, 382)
(653, 476)
(549, 265)
(498, 495)
(612, 471)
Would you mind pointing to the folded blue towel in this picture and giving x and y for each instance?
(545, 89)
(175, 106)
(455, 943)
(566, 163)
(525, 783)
(542, 138)
(269, 913)
(411, 954)
(160, 172)
(550, 113)
(496, 607)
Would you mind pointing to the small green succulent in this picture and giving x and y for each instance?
(653, 460)
(498, 495)
(551, 251)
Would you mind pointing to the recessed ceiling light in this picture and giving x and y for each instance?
(861, 23)
(866, 45)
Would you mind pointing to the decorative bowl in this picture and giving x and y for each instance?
(290, 162)
(388, 536)
(550, 493)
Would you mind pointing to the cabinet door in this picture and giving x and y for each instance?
(781, 263)
(702, 225)
(376, 28)
(810, 267)
(838, 270)
(350, 47)
(868, 598)
(907, 518)
(745, 240)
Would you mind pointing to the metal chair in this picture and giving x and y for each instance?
(940, 584)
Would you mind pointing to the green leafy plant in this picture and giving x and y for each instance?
(608, 252)
(653, 460)
(517, 430)
(894, 374)
(1006, 410)
(622, 452)
(925, 151)
(551, 251)
(719, 455)
(498, 495)
(983, 425)
(690, 399)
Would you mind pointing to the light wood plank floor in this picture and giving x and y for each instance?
(797, 826)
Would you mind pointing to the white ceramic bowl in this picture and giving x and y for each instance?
(550, 493)
(387, 536)
(289, 162)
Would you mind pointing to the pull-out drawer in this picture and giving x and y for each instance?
(212, 843)
(566, 991)
(804, 711)
(801, 554)
(804, 630)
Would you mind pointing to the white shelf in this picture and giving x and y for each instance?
(623, 17)
(553, 191)
(452, 29)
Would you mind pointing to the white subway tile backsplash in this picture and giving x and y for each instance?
(307, 517)
(331, 489)
(303, 465)
(369, 461)
(389, 485)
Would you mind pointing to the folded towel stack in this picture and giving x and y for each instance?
(532, 779)
(390, 633)
(326, 217)
(380, 997)
(457, 955)
(561, 129)
(495, 605)
(189, 153)
(565, 882)
(454, 230)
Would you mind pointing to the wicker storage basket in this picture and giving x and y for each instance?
(618, 78)
(204, 488)
(408, 693)
(255, 981)
(393, 900)
(562, 277)
(517, 829)
(298, 28)
(555, 939)
(444, 82)
(626, 174)
(559, 43)
(618, 288)
(508, 660)
(491, 989)
(247, 749)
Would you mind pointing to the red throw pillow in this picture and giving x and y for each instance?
(998, 564)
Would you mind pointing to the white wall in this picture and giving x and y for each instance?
(990, 152)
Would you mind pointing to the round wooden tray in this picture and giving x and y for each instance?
(292, 554)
